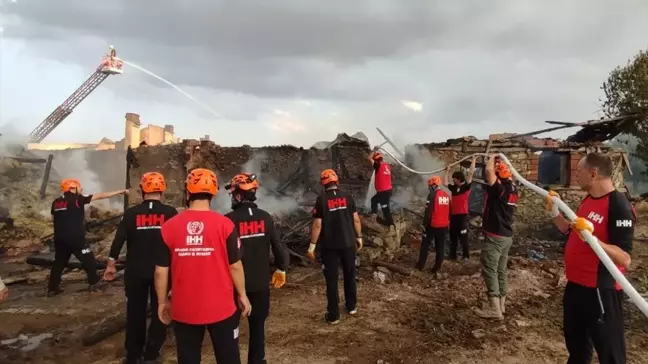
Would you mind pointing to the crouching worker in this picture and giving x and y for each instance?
(140, 230)
(436, 219)
(68, 215)
(337, 225)
(497, 223)
(201, 250)
(257, 232)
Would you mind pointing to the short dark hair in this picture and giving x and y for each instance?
(330, 185)
(460, 176)
(600, 162)
(200, 196)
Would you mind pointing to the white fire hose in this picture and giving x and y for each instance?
(632, 293)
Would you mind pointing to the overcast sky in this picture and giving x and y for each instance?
(300, 71)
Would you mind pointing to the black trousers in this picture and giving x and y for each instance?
(332, 259)
(382, 199)
(459, 234)
(63, 251)
(260, 301)
(438, 235)
(139, 292)
(224, 337)
(593, 319)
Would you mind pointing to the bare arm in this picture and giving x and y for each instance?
(357, 225)
(490, 176)
(162, 284)
(446, 176)
(370, 158)
(238, 278)
(561, 223)
(471, 171)
(618, 255)
(105, 195)
(316, 230)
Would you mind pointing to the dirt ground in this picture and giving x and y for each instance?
(413, 319)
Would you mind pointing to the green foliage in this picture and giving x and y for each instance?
(637, 181)
(626, 92)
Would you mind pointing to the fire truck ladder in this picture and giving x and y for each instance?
(62, 111)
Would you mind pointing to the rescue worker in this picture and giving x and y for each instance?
(497, 224)
(4, 291)
(140, 230)
(436, 219)
(68, 215)
(593, 300)
(257, 232)
(383, 184)
(460, 192)
(201, 250)
(337, 226)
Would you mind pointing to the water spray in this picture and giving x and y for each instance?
(207, 108)
(592, 241)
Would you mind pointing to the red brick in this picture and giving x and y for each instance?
(574, 164)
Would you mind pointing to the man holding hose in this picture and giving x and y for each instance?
(592, 304)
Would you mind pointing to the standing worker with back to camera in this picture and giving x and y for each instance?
(436, 219)
(497, 224)
(140, 230)
(383, 184)
(460, 191)
(593, 300)
(68, 215)
(202, 250)
(337, 225)
(258, 235)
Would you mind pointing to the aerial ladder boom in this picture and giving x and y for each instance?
(110, 65)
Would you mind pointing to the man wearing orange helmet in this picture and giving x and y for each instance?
(336, 225)
(497, 224)
(68, 215)
(383, 184)
(436, 219)
(202, 250)
(257, 232)
(140, 230)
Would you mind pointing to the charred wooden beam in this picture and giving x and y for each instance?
(46, 175)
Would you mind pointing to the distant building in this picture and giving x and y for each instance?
(134, 136)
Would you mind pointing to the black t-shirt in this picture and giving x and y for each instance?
(258, 235)
(501, 199)
(68, 215)
(140, 230)
(336, 209)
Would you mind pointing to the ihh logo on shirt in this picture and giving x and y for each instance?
(195, 229)
(594, 217)
(444, 200)
(624, 223)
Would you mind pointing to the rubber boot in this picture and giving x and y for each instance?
(493, 311)
(503, 304)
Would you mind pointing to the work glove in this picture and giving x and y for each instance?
(358, 244)
(550, 206)
(581, 224)
(278, 279)
(311, 252)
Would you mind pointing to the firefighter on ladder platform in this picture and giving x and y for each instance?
(257, 232)
(140, 230)
(68, 215)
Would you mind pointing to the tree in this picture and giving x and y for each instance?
(626, 92)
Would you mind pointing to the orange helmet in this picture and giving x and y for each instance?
(377, 156)
(152, 182)
(328, 176)
(202, 180)
(502, 170)
(68, 184)
(243, 182)
(434, 181)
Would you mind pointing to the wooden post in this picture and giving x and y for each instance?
(48, 169)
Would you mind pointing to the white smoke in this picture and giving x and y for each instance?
(276, 205)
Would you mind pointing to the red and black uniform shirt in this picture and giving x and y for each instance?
(614, 222)
(199, 247)
(501, 200)
(336, 209)
(68, 215)
(140, 228)
(460, 194)
(382, 177)
(258, 235)
(437, 209)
